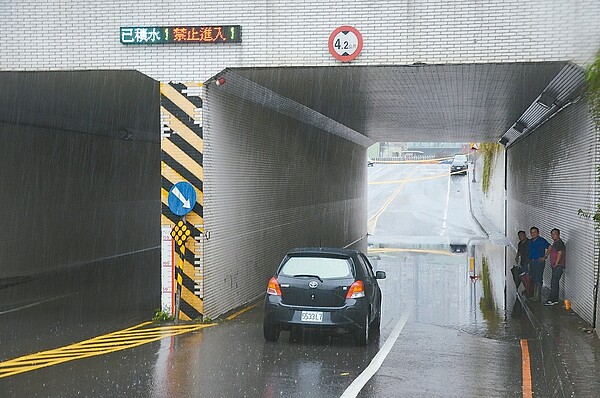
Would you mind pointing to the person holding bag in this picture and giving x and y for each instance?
(521, 270)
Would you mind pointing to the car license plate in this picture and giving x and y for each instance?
(311, 316)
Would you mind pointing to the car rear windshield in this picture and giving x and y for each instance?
(323, 267)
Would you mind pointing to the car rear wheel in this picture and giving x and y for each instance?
(376, 324)
(271, 331)
(361, 334)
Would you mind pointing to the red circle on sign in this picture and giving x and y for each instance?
(345, 57)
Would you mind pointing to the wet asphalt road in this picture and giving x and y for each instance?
(451, 337)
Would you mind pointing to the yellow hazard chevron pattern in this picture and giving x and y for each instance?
(117, 341)
(182, 147)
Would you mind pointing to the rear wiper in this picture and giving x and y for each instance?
(308, 276)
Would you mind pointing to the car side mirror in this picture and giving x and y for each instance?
(380, 275)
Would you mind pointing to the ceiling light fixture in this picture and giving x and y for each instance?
(519, 127)
(546, 100)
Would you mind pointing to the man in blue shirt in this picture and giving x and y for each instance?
(537, 259)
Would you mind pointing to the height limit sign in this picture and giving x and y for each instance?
(345, 43)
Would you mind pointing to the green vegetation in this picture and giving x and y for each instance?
(488, 299)
(592, 75)
(207, 320)
(489, 151)
(486, 303)
(161, 316)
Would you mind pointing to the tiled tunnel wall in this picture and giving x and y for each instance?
(272, 183)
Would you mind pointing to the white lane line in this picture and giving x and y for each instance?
(36, 303)
(446, 211)
(354, 389)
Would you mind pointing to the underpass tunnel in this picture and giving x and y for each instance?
(80, 172)
(285, 153)
(278, 159)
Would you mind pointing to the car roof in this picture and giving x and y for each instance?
(319, 251)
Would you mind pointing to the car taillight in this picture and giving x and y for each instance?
(357, 290)
(273, 287)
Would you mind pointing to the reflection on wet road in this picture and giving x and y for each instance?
(457, 339)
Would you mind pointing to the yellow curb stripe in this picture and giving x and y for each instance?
(178, 99)
(174, 177)
(240, 312)
(192, 299)
(183, 158)
(183, 316)
(184, 131)
(527, 389)
(165, 221)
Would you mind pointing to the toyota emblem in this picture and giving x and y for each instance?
(313, 284)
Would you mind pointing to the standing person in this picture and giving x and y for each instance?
(537, 261)
(557, 253)
(522, 258)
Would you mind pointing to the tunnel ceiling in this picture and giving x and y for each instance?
(438, 103)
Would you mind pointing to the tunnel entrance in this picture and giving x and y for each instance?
(80, 167)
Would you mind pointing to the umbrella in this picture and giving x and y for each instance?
(516, 272)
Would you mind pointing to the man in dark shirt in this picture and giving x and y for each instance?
(537, 261)
(522, 258)
(557, 254)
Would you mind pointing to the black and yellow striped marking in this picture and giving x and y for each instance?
(182, 148)
(106, 344)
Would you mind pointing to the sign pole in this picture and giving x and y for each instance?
(180, 275)
(181, 200)
(177, 291)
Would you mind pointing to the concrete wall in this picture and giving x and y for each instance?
(492, 201)
(272, 183)
(552, 176)
(492, 207)
(79, 205)
(85, 35)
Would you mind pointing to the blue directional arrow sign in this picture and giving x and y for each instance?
(182, 198)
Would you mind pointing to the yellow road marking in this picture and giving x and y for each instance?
(240, 312)
(396, 250)
(434, 161)
(372, 223)
(527, 390)
(116, 341)
(413, 179)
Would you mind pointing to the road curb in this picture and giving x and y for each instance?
(471, 204)
(556, 376)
